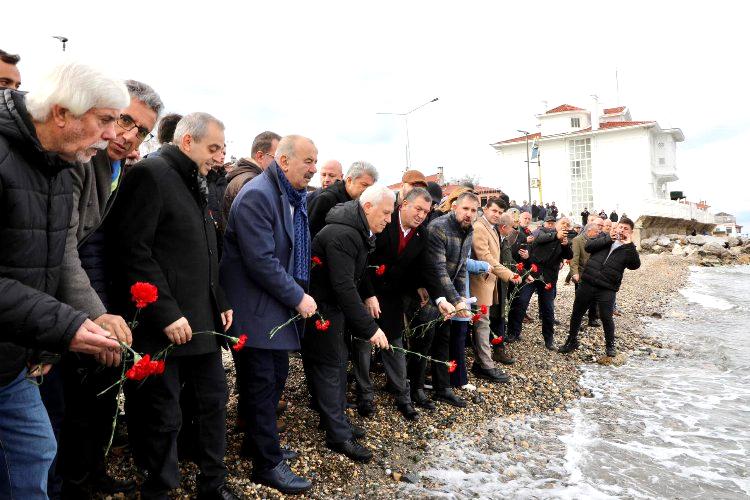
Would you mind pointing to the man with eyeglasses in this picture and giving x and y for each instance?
(87, 421)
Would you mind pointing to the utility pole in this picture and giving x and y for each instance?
(528, 163)
(406, 124)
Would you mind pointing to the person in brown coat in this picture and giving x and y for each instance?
(486, 247)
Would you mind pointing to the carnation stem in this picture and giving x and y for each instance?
(406, 351)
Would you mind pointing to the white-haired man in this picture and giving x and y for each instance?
(85, 426)
(160, 232)
(69, 117)
(359, 177)
(343, 246)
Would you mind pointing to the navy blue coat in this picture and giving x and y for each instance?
(257, 264)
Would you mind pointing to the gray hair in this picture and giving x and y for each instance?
(418, 192)
(360, 168)
(145, 94)
(287, 145)
(195, 125)
(505, 220)
(375, 194)
(588, 227)
(77, 87)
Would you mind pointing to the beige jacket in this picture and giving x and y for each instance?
(486, 247)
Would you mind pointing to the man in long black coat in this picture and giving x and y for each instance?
(400, 249)
(343, 247)
(162, 233)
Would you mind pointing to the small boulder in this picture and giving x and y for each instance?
(657, 249)
(713, 248)
(678, 250)
(663, 241)
(697, 240)
(617, 360)
(733, 241)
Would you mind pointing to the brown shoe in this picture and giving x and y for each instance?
(280, 426)
(501, 355)
(281, 407)
(616, 313)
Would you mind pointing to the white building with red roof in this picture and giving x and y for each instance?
(598, 160)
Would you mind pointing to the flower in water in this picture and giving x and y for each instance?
(380, 271)
(484, 309)
(143, 294)
(316, 261)
(322, 324)
(239, 342)
(519, 267)
(496, 341)
(548, 286)
(452, 365)
(534, 268)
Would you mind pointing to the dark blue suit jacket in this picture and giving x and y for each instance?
(257, 264)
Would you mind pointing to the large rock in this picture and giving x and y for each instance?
(678, 250)
(697, 240)
(713, 248)
(657, 249)
(648, 243)
(664, 241)
(675, 237)
(746, 249)
(691, 249)
(735, 251)
(734, 241)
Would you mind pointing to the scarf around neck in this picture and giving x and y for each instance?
(298, 199)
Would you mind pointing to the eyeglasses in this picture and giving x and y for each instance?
(126, 122)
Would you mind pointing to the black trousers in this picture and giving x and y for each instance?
(421, 343)
(265, 372)
(593, 314)
(87, 424)
(604, 299)
(329, 385)
(441, 351)
(53, 397)
(155, 418)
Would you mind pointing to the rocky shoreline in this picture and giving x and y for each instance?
(701, 250)
(541, 381)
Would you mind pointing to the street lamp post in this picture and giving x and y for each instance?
(63, 40)
(528, 163)
(406, 125)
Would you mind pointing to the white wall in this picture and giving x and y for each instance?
(559, 123)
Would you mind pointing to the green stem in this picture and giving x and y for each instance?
(406, 351)
(117, 410)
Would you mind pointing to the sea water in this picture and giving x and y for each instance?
(670, 423)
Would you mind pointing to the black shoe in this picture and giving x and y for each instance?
(357, 432)
(419, 398)
(408, 411)
(221, 493)
(108, 485)
(611, 351)
(366, 408)
(447, 396)
(351, 449)
(492, 374)
(283, 479)
(550, 344)
(595, 323)
(570, 345)
(501, 355)
(287, 454)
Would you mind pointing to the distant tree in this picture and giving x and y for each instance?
(466, 179)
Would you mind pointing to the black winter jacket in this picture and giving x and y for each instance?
(605, 270)
(160, 231)
(36, 201)
(323, 203)
(547, 252)
(343, 246)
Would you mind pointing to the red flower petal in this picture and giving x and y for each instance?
(476, 318)
(534, 268)
(316, 261)
(519, 267)
(452, 365)
(240, 343)
(484, 309)
(380, 271)
(548, 286)
(143, 294)
(496, 341)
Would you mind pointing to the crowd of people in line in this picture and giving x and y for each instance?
(351, 274)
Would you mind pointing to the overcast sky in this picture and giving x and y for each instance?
(324, 69)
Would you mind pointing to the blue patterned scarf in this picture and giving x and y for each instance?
(298, 199)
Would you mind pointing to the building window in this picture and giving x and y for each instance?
(662, 161)
(581, 192)
(575, 122)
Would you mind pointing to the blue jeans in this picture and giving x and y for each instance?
(27, 445)
(546, 309)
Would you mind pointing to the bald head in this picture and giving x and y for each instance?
(330, 172)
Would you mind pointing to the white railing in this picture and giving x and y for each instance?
(675, 210)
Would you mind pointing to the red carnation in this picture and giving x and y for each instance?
(380, 271)
(316, 261)
(322, 325)
(484, 309)
(144, 367)
(240, 343)
(143, 294)
(534, 268)
(516, 276)
(496, 341)
(548, 286)
(519, 267)
(452, 365)
(527, 230)
(476, 318)
(158, 367)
